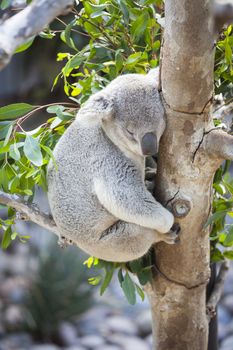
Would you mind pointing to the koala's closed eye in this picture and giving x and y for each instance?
(131, 134)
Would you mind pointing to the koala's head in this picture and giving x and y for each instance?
(131, 113)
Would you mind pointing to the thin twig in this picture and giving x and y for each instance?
(28, 212)
(223, 111)
(217, 290)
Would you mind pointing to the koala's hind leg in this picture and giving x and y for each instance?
(124, 241)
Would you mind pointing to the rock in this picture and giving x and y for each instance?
(121, 324)
(13, 317)
(12, 289)
(85, 324)
(75, 347)
(149, 340)
(109, 347)
(95, 313)
(128, 343)
(67, 333)
(144, 323)
(85, 328)
(227, 343)
(92, 341)
(224, 316)
(222, 331)
(16, 341)
(228, 302)
(44, 347)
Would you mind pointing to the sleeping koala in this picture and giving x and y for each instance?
(98, 196)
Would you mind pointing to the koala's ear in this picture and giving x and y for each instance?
(154, 76)
(99, 105)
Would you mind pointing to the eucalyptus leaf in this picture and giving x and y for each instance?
(6, 240)
(129, 289)
(107, 280)
(15, 110)
(32, 150)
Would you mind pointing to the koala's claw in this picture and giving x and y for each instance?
(171, 237)
(64, 242)
(175, 228)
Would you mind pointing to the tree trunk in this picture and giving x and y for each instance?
(186, 167)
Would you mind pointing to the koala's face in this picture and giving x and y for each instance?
(138, 117)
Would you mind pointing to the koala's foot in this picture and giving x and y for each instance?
(64, 242)
(171, 237)
(175, 228)
(150, 185)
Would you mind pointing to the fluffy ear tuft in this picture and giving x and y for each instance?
(153, 74)
(99, 105)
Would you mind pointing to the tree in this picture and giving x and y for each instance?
(122, 34)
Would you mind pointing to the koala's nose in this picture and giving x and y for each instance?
(149, 144)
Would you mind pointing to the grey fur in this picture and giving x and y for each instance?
(97, 195)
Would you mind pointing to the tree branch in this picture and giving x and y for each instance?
(28, 212)
(217, 290)
(20, 28)
(223, 111)
(218, 144)
(223, 13)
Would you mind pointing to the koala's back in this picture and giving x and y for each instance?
(81, 154)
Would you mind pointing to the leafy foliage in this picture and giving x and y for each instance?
(120, 36)
(224, 65)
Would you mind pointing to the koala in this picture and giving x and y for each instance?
(97, 191)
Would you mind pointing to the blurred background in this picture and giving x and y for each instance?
(46, 302)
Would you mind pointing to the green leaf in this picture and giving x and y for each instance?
(228, 254)
(4, 127)
(139, 26)
(66, 35)
(128, 287)
(14, 152)
(28, 192)
(14, 235)
(8, 135)
(145, 276)
(229, 238)
(24, 46)
(135, 266)
(216, 255)
(125, 11)
(47, 35)
(95, 280)
(215, 217)
(107, 280)
(32, 150)
(50, 153)
(89, 262)
(140, 292)
(6, 240)
(228, 53)
(15, 110)
(120, 276)
(13, 184)
(74, 62)
(5, 4)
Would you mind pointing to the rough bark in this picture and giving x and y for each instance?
(21, 27)
(188, 159)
